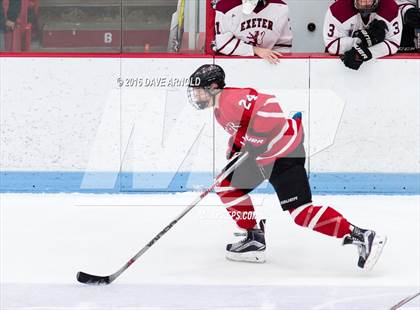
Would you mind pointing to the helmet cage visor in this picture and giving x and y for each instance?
(366, 6)
(199, 97)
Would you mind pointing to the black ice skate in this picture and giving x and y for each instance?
(250, 249)
(369, 245)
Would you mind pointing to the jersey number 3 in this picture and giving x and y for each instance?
(331, 29)
(397, 28)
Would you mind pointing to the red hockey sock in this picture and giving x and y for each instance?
(239, 206)
(322, 219)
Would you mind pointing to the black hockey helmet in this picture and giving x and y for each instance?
(210, 78)
(365, 7)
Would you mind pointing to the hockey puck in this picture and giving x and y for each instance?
(311, 27)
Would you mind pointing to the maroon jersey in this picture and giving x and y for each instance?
(257, 120)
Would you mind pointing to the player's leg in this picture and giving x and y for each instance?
(290, 181)
(233, 192)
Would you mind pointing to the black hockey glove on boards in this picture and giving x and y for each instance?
(354, 58)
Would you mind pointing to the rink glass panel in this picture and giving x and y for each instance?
(93, 26)
(146, 25)
(77, 26)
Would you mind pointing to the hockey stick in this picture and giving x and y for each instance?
(404, 301)
(104, 280)
(177, 28)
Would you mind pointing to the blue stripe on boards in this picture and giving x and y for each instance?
(170, 182)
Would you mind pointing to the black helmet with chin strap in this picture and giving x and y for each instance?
(209, 77)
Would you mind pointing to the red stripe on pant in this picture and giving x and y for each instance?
(322, 219)
(238, 204)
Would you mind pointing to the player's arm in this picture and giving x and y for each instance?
(226, 42)
(244, 107)
(241, 107)
(263, 123)
(246, 138)
(392, 40)
(267, 119)
(336, 38)
(405, 5)
(410, 14)
(284, 42)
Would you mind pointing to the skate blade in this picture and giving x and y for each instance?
(249, 257)
(377, 247)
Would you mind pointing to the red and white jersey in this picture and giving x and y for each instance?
(268, 27)
(404, 5)
(343, 19)
(258, 119)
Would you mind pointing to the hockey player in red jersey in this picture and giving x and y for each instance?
(257, 124)
(253, 27)
(361, 30)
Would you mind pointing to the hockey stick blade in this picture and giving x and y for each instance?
(86, 278)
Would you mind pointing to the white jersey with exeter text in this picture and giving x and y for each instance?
(237, 33)
(342, 20)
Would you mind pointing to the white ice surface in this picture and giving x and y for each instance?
(46, 239)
